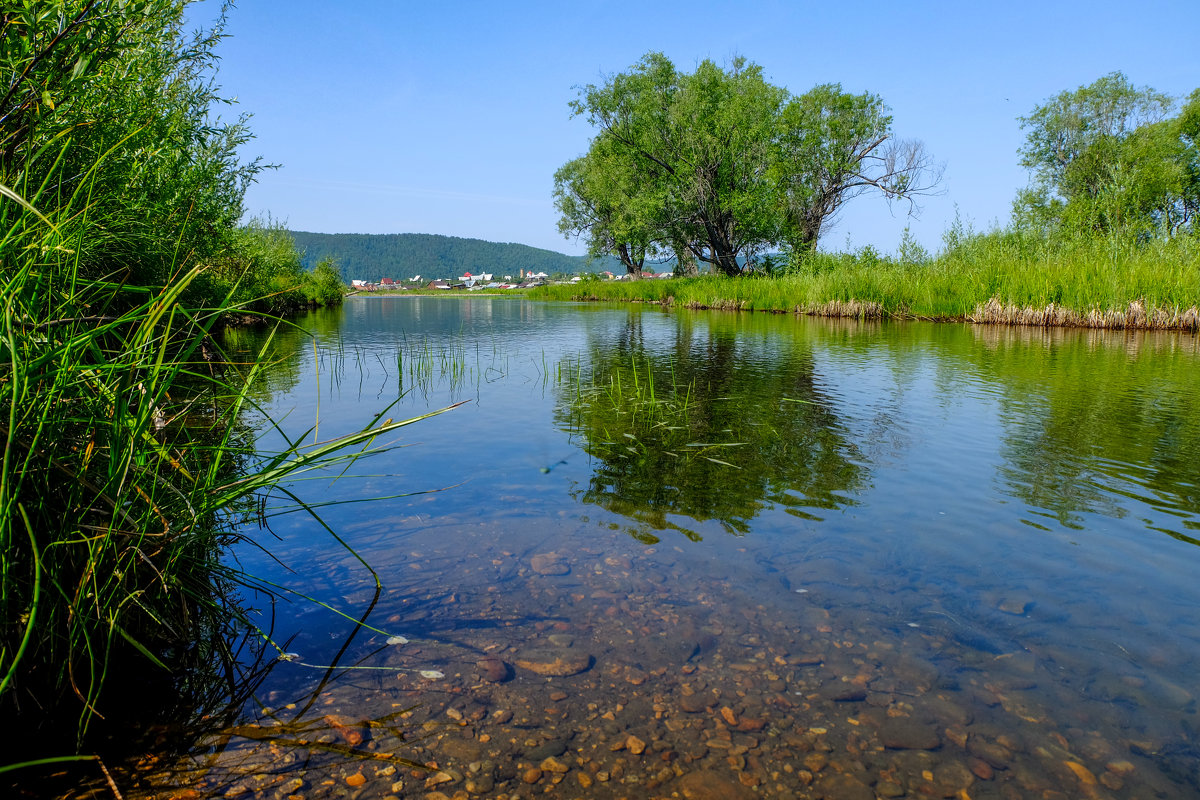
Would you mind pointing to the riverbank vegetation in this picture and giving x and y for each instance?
(1106, 234)
(999, 277)
(127, 471)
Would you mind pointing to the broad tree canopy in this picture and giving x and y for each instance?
(721, 165)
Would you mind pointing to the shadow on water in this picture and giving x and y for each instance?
(237, 730)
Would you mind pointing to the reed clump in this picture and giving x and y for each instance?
(1134, 317)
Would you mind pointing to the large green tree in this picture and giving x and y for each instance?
(599, 196)
(719, 165)
(1110, 157)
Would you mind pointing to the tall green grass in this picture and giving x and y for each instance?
(126, 472)
(128, 468)
(998, 277)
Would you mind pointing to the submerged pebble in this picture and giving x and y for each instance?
(553, 661)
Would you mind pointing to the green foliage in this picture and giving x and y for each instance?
(1089, 280)
(262, 271)
(118, 84)
(402, 255)
(111, 100)
(833, 146)
(324, 285)
(719, 165)
(126, 470)
(599, 196)
(911, 251)
(1108, 159)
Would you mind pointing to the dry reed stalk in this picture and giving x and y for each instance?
(852, 309)
(1134, 317)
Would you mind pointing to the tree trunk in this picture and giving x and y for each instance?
(633, 261)
(685, 260)
(720, 250)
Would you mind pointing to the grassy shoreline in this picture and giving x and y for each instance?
(129, 469)
(992, 279)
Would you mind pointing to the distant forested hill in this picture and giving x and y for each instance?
(371, 256)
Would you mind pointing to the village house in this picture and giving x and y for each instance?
(470, 280)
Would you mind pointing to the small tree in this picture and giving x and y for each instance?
(911, 251)
(324, 285)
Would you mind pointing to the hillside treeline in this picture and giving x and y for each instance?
(402, 255)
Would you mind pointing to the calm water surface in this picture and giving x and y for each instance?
(715, 555)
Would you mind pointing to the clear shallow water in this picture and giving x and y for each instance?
(779, 557)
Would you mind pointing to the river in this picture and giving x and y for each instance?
(701, 555)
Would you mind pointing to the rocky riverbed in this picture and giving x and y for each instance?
(592, 674)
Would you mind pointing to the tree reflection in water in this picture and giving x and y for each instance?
(703, 427)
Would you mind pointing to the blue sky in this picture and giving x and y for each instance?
(451, 118)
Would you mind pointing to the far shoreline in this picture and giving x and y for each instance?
(1136, 315)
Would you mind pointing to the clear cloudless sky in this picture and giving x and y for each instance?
(397, 116)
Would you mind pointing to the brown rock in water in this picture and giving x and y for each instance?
(635, 745)
(1085, 775)
(981, 769)
(995, 754)
(1017, 606)
(697, 702)
(804, 660)
(553, 661)
(751, 724)
(904, 733)
(944, 710)
(844, 787)
(461, 750)
(843, 692)
(350, 733)
(549, 564)
(957, 735)
(531, 775)
(953, 777)
(493, 670)
(552, 764)
(708, 785)
(437, 779)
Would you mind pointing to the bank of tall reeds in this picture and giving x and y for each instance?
(1001, 277)
(127, 471)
